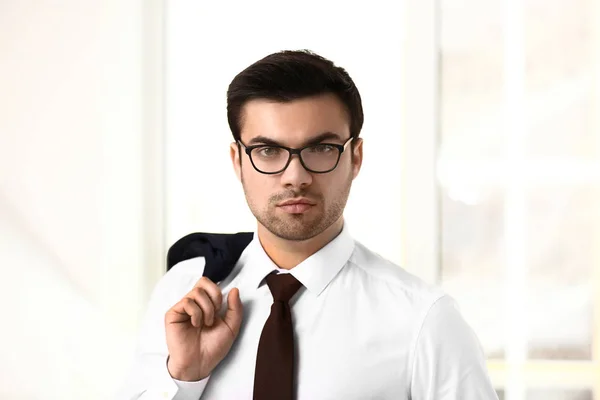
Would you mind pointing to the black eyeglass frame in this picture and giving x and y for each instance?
(291, 151)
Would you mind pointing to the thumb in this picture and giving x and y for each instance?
(233, 315)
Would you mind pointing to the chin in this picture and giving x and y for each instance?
(297, 227)
(297, 236)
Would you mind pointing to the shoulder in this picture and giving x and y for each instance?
(392, 279)
(431, 309)
(176, 282)
(447, 343)
(440, 337)
(184, 273)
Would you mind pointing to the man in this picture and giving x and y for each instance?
(307, 312)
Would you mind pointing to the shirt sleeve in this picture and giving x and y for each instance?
(149, 377)
(449, 362)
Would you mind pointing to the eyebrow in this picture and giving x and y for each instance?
(315, 140)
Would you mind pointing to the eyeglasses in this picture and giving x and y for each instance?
(317, 158)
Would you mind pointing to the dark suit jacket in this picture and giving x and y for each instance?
(221, 251)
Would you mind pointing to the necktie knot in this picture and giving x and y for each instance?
(283, 286)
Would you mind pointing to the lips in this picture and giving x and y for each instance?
(295, 202)
(296, 206)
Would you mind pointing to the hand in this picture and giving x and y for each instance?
(198, 338)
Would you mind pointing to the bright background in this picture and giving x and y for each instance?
(481, 172)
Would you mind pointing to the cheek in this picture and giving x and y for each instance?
(336, 185)
(340, 175)
(327, 186)
(258, 186)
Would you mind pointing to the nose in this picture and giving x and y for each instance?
(295, 175)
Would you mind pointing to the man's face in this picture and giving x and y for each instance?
(296, 124)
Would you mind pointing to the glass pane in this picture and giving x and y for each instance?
(472, 248)
(562, 237)
(557, 394)
(471, 80)
(559, 42)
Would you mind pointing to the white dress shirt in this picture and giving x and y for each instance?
(364, 329)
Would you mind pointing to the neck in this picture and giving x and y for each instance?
(286, 254)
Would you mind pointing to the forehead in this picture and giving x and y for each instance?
(295, 122)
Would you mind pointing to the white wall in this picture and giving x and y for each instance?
(74, 139)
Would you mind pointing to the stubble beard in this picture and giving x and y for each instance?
(300, 227)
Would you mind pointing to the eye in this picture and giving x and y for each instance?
(268, 152)
(322, 148)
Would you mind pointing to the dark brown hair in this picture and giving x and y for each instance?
(290, 75)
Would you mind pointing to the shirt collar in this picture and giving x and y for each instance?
(315, 273)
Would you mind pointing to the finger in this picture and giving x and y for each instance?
(185, 310)
(234, 313)
(206, 305)
(212, 290)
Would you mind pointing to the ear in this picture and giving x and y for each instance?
(357, 156)
(234, 153)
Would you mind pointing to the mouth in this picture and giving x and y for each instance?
(296, 206)
(300, 200)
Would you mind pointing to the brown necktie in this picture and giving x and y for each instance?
(274, 374)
